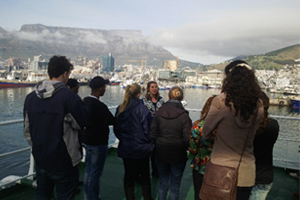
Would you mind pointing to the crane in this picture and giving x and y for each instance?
(142, 65)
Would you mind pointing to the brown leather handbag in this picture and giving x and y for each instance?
(220, 182)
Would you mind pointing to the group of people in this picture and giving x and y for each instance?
(57, 123)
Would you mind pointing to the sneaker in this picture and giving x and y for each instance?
(294, 174)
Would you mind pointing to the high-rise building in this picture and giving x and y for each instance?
(108, 63)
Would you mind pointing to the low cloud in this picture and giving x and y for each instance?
(229, 35)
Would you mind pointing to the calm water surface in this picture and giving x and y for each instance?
(11, 136)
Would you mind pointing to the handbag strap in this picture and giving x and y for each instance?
(252, 125)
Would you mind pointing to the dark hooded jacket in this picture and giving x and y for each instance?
(132, 129)
(53, 115)
(171, 129)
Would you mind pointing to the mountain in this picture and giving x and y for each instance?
(276, 59)
(125, 45)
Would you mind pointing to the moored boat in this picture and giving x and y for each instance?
(10, 83)
(280, 101)
(295, 101)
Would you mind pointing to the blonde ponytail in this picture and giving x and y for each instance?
(131, 92)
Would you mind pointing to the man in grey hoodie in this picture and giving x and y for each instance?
(53, 115)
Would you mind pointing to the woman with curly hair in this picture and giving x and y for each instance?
(236, 113)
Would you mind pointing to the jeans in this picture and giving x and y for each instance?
(95, 160)
(197, 180)
(136, 169)
(65, 183)
(170, 175)
(260, 191)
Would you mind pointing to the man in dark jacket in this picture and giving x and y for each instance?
(95, 137)
(53, 115)
(171, 130)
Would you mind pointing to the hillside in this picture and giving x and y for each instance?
(271, 60)
(125, 45)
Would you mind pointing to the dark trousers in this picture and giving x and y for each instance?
(197, 180)
(153, 164)
(136, 169)
(65, 183)
(243, 193)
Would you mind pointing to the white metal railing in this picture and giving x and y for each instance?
(31, 172)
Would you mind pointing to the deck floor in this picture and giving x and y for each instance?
(111, 185)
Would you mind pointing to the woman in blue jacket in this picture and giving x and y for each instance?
(135, 147)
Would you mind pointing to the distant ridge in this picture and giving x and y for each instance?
(272, 60)
(125, 45)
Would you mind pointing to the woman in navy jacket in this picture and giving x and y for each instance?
(135, 147)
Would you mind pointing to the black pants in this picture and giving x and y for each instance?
(136, 169)
(198, 180)
(243, 193)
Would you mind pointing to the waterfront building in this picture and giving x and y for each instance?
(170, 65)
(108, 63)
(38, 64)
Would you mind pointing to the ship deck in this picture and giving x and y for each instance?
(111, 185)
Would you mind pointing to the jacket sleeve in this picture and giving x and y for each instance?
(109, 118)
(26, 129)
(212, 119)
(146, 119)
(154, 129)
(78, 111)
(115, 126)
(187, 125)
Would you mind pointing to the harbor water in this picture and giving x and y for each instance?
(286, 152)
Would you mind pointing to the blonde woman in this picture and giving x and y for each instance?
(135, 147)
(171, 130)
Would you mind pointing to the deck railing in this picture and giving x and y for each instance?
(282, 147)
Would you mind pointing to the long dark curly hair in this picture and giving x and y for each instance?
(242, 89)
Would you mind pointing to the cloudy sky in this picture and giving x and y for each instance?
(195, 30)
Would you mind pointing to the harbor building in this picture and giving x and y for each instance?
(170, 65)
(175, 76)
(38, 64)
(108, 63)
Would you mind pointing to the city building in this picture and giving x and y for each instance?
(108, 63)
(170, 65)
(38, 64)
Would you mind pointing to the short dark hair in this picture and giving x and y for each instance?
(72, 83)
(58, 65)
